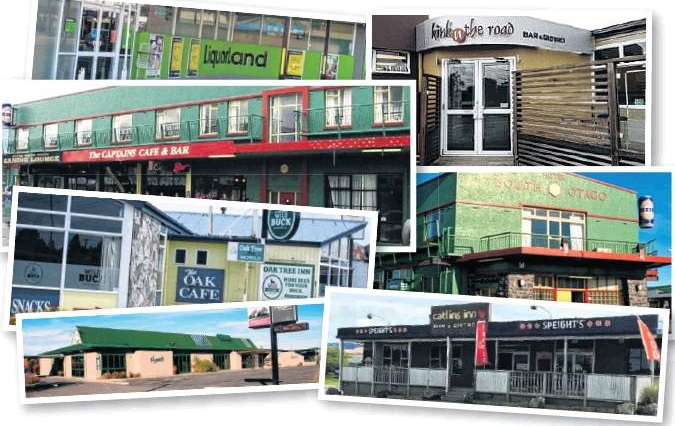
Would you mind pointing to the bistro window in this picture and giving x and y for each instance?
(284, 113)
(93, 262)
(338, 107)
(77, 366)
(202, 257)
(168, 124)
(352, 191)
(123, 128)
(637, 361)
(388, 106)
(395, 355)
(22, 138)
(113, 362)
(83, 132)
(605, 290)
(208, 120)
(51, 135)
(553, 228)
(238, 117)
(438, 357)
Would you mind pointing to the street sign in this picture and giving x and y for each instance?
(287, 328)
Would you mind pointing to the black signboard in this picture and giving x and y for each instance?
(383, 332)
(452, 320)
(574, 326)
(280, 225)
(32, 158)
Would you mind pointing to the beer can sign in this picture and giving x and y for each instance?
(646, 211)
(6, 115)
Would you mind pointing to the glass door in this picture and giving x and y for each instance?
(476, 107)
(98, 43)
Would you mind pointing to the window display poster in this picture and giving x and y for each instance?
(193, 63)
(332, 63)
(155, 55)
(176, 57)
(295, 60)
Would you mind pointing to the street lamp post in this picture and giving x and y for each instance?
(536, 307)
(370, 316)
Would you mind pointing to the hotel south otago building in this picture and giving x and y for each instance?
(591, 361)
(101, 353)
(73, 252)
(544, 236)
(118, 40)
(343, 146)
(520, 90)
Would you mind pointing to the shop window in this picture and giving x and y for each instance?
(553, 228)
(123, 129)
(209, 24)
(111, 363)
(284, 122)
(83, 132)
(120, 177)
(168, 124)
(543, 287)
(395, 355)
(201, 257)
(247, 28)
(208, 120)
(299, 34)
(637, 361)
(341, 38)
(97, 206)
(352, 191)
(93, 262)
(41, 247)
(77, 365)
(237, 117)
(338, 108)
(50, 135)
(188, 22)
(606, 53)
(220, 187)
(222, 361)
(46, 202)
(605, 290)
(156, 19)
(335, 264)
(22, 139)
(317, 38)
(162, 180)
(388, 107)
(223, 25)
(438, 356)
(180, 256)
(273, 31)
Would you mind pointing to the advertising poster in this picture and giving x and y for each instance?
(176, 57)
(332, 63)
(193, 64)
(155, 55)
(295, 60)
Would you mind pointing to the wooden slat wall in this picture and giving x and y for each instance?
(430, 138)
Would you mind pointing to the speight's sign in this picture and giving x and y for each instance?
(509, 30)
(574, 326)
(458, 319)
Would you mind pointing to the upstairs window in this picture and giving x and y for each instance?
(168, 124)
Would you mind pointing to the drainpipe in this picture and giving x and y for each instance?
(448, 363)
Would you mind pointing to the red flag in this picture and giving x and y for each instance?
(649, 342)
(481, 344)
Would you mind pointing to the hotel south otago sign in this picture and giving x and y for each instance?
(505, 30)
(200, 285)
(449, 320)
(282, 281)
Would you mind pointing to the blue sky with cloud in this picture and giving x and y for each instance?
(43, 334)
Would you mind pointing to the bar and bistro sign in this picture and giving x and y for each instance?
(150, 152)
(457, 319)
(511, 30)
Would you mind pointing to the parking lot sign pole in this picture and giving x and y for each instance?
(275, 356)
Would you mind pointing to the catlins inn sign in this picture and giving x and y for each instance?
(461, 319)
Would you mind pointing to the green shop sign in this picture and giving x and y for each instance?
(280, 224)
(220, 57)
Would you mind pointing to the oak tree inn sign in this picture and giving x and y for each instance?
(504, 30)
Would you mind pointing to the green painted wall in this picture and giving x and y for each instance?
(311, 68)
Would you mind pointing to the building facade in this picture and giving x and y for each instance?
(343, 146)
(569, 361)
(488, 88)
(80, 252)
(103, 353)
(543, 236)
(95, 39)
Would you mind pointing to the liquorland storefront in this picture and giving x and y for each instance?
(591, 360)
(115, 40)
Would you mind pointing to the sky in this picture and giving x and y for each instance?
(52, 332)
(350, 309)
(656, 184)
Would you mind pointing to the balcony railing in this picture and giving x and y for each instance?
(379, 119)
(450, 244)
(245, 129)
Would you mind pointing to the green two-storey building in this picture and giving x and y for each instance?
(545, 236)
(338, 146)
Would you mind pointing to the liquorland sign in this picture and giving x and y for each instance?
(510, 30)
